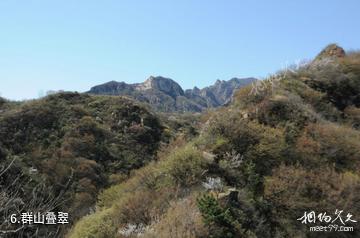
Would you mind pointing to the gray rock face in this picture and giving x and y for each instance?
(219, 93)
(164, 94)
(112, 88)
(166, 85)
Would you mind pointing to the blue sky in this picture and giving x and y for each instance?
(73, 45)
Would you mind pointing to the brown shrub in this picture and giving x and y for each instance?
(295, 190)
(330, 143)
(182, 220)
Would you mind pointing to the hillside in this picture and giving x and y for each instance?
(58, 152)
(280, 147)
(287, 145)
(165, 95)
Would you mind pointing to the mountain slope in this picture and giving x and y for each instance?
(63, 149)
(281, 149)
(164, 94)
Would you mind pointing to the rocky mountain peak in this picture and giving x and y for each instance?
(196, 89)
(333, 51)
(163, 84)
(164, 94)
(111, 88)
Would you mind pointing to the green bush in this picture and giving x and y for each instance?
(219, 220)
(97, 225)
(185, 166)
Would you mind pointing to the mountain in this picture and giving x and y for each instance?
(281, 150)
(218, 94)
(164, 94)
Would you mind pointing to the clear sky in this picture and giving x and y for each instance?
(76, 44)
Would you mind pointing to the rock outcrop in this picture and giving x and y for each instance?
(331, 51)
(164, 94)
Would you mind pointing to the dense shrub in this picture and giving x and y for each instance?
(76, 141)
(339, 79)
(330, 144)
(98, 225)
(181, 220)
(219, 220)
(185, 166)
(353, 115)
(294, 190)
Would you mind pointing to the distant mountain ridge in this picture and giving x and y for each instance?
(164, 94)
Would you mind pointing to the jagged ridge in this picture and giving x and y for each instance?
(164, 94)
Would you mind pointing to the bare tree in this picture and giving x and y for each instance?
(19, 193)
